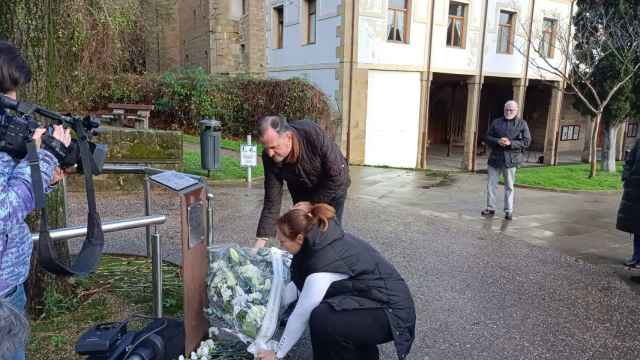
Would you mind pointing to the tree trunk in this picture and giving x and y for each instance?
(38, 278)
(594, 143)
(586, 149)
(610, 149)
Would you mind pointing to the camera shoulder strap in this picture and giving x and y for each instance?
(89, 256)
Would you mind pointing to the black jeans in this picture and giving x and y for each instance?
(338, 203)
(349, 334)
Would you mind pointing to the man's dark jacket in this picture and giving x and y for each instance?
(373, 282)
(629, 212)
(517, 132)
(320, 174)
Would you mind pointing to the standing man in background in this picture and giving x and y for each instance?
(308, 160)
(508, 137)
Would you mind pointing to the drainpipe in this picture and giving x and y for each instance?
(351, 66)
(527, 57)
(480, 78)
(425, 128)
(563, 84)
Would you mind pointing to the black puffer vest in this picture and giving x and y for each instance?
(373, 282)
(629, 212)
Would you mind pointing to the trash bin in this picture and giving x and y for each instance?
(210, 141)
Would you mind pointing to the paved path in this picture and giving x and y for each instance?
(545, 286)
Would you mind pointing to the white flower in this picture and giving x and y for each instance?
(194, 356)
(181, 357)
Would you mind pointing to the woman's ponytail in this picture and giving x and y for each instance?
(303, 217)
(321, 214)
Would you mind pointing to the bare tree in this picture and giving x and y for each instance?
(588, 42)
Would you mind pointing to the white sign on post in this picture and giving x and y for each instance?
(248, 155)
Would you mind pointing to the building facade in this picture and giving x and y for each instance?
(415, 80)
(221, 36)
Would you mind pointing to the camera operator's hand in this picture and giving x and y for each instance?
(37, 136)
(61, 134)
(58, 175)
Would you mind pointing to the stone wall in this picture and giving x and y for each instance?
(162, 38)
(154, 148)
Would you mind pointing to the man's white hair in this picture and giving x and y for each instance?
(14, 330)
(511, 102)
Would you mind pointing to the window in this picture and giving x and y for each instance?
(456, 31)
(506, 29)
(570, 132)
(278, 27)
(397, 28)
(311, 21)
(547, 44)
(632, 130)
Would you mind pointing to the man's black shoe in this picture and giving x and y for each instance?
(508, 216)
(634, 264)
(488, 213)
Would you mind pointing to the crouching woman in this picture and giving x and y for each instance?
(351, 297)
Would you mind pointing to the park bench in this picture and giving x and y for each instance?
(123, 114)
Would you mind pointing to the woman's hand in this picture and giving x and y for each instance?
(61, 134)
(37, 136)
(267, 355)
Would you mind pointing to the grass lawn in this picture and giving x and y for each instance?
(231, 169)
(228, 144)
(119, 288)
(569, 177)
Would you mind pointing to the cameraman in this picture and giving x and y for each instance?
(16, 192)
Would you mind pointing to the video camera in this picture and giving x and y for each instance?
(16, 132)
(161, 339)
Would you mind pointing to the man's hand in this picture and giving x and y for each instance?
(504, 141)
(260, 243)
(267, 355)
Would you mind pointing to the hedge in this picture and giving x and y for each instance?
(183, 97)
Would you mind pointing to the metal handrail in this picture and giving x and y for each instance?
(113, 226)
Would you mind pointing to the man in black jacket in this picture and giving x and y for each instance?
(629, 211)
(508, 138)
(301, 154)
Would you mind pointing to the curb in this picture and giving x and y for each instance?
(566, 191)
(234, 181)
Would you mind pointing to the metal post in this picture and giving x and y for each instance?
(249, 167)
(156, 271)
(147, 212)
(209, 223)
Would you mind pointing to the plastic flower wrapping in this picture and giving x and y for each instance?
(245, 288)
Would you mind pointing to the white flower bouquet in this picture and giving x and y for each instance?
(245, 289)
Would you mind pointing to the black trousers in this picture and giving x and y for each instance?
(348, 335)
(338, 204)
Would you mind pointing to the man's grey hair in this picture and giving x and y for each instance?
(512, 102)
(14, 330)
(278, 123)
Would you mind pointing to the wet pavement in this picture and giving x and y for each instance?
(545, 286)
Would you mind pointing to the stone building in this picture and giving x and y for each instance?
(221, 36)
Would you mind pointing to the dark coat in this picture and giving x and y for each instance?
(629, 212)
(373, 282)
(515, 130)
(319, 176)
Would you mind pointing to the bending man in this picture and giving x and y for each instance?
(302, 155)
